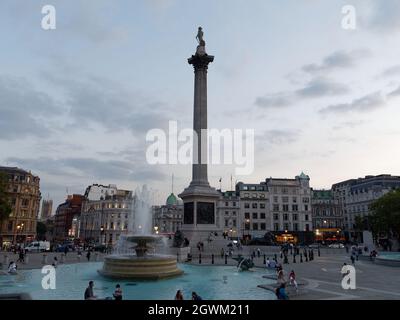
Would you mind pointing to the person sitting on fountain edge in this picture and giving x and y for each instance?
(117, 293)
(89, 292)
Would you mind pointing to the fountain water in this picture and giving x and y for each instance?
(123, 263)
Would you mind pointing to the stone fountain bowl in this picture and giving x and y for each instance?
(146, 238)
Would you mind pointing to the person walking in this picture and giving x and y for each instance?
(292, 279)
(66, 250)
(258, 252)
(21, 255)
(55, 262)
(88, 255)
(352, 258)
(281, 292)
(179, 295)
(222, 253)
(117, 293)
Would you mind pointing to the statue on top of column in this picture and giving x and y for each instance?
(201, 48)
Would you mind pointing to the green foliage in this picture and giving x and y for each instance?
(386, 214)
(5, 206)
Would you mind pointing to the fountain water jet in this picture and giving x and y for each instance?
(141, 265)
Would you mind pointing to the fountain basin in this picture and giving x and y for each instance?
(149, 267)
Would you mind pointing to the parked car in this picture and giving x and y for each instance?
(336, 245)
(38, 246)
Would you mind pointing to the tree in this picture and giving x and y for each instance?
(5, 206)
(386, 214)
(41, 230)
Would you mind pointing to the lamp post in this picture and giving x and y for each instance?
(101, 235)
(156, 229)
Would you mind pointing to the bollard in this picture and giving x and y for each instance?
(177, 256)
(44, 259)
(5, 259)
(199, 258)
(212, 259)
(301, 258)
(265, 261)
(226, 259)
(96, 256)
(319, 253)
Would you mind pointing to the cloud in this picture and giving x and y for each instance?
(384, 16)
(92, 99)
(278, 136)
(367, 103)
(23, 109)
(320, 87)
(315, 88)
(337, 60)
(394, 93)
(276, 100)
(91, 168)
(348, 124)
(391, 72)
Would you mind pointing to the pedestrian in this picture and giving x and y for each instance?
(267, 263)
(66, 250)
(117, 293)
(89, 292)
(179, 295)
(352, 259)
(55, 262)
(222, 253)
(292, 279)
(195, 296)
(258, 252)
(21, 255)
(88, 255)
(281, 292)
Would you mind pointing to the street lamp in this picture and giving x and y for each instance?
(101, 235)
(156, 229)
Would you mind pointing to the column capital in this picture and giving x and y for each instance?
(200, 61)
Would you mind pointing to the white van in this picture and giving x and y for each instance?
(38, 246)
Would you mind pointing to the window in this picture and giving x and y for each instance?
(25, 202)
(10, 226)
(255, 226)
(295, 227)
(307, 227)
(226, 204)
(306, 200)
(226, 213)
(284, 190)
(306, 207)
(234, 222)
(275, 199)
(254, 205)
(262, 226)
(285, 199)
(226, 222)
(276, 207)
(285, 207)
(234, 213)
(294, 199)
(262, 205)
(276, 216)
(255, 215)
(295, 207)
(276, 226)
(286, 226)
(306, 217)
(262, 215)
(247, 205)
(247, 226)
(234, 203)
(285, 217)
(247, 215)
(295, 217)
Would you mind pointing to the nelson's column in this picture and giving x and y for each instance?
(199, 199)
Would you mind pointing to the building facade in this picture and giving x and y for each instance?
(47, 208)
(228, 214)
(168, 218)
(23, 189)
(356, 195)
(66, 218)
(327, 216)
(107, 213)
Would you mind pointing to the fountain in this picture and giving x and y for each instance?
(142, 265)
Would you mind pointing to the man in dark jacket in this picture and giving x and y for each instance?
(89, 292)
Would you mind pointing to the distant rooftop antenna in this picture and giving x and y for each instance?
(172, 184)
